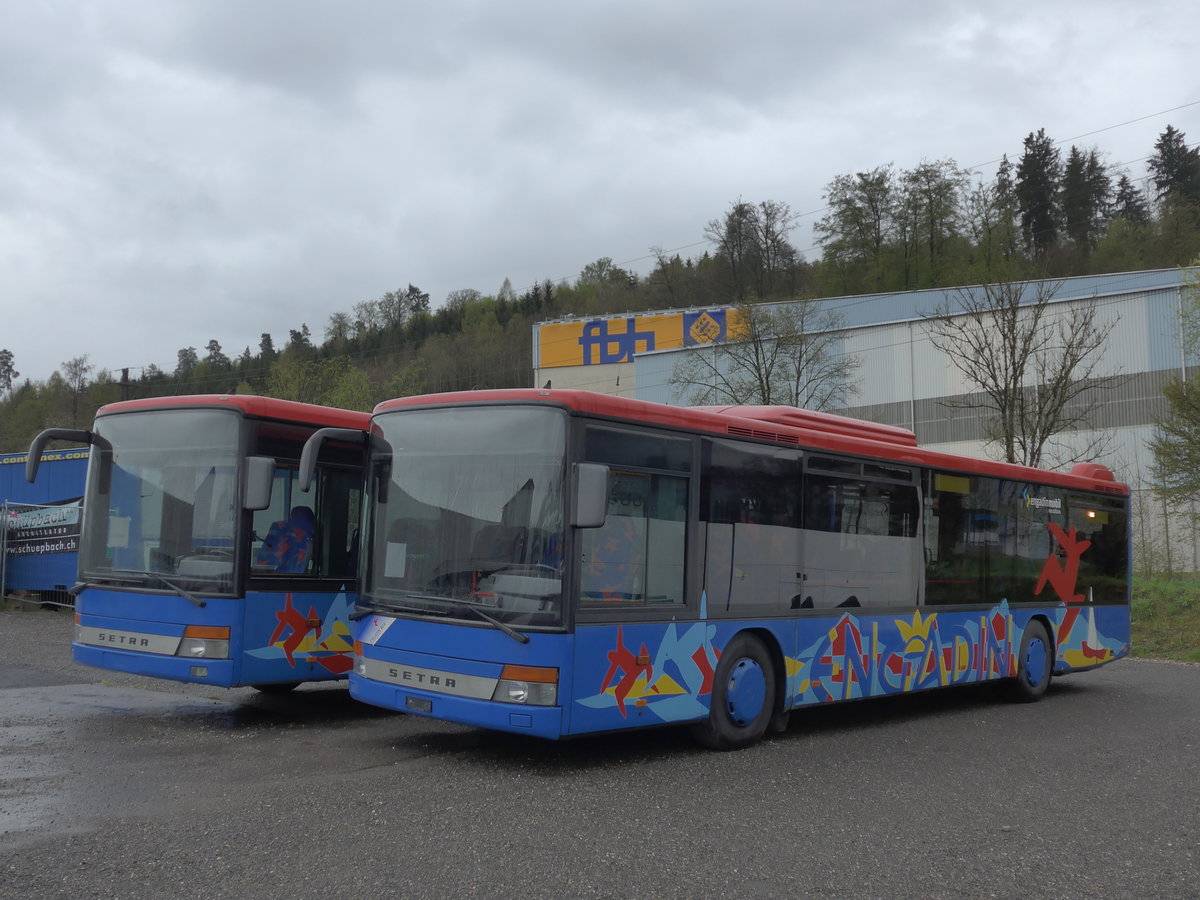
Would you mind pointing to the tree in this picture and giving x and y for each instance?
(215, 356)
(75, 372)
(752, 243)
(787, 353)
(1129, 203)
(506, 294)
(1176, 444)
(328, 382)
(300, 341)
(930, 214)
(366, 317)
(1032, 362)
(991, 222)
(187, 360)
(462, 297)
(339, 329)
(1086, 190)
(7, 371)
(1175, 168)
(860, 223)
(1039, 174)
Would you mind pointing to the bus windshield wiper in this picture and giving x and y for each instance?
(190, 598)
(492, 620)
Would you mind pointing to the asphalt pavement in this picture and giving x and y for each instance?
(117, 786)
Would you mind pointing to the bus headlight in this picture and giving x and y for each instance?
(204, 642)
(527, 685)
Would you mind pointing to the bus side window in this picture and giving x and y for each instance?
(637, 557)
(310, 533)
(750, 509)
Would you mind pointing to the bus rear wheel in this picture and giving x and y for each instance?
(1035, 660)
(743, 696)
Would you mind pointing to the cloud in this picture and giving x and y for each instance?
(173, 172)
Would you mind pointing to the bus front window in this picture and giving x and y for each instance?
(467, 511)
(162, 501)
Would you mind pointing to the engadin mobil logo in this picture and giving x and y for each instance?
(1054, 504)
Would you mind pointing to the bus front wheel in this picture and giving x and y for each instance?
(743, 696)
(1035, 660)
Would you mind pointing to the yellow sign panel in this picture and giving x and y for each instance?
(595, 342)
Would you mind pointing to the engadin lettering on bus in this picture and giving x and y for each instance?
(1054, 504)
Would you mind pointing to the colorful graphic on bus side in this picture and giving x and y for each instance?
(670, 677)
(299, 636)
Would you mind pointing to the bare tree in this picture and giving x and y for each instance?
(1032, 361)
(779, 354)
(75, 374)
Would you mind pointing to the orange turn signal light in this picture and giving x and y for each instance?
(207, 632)
(530, 673)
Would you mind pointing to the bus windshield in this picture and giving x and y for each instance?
(161, 504)
(467, 514)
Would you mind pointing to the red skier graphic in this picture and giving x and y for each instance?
(1062, 575)
(290, 617)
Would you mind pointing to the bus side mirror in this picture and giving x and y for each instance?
(312, 449)
(259, 477)
(591, 495)
(34, 461)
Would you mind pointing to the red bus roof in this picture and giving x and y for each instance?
(251, 405)
(787, 425)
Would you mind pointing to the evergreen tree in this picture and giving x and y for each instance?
(7, 371)
(1175, 168)
(1086, 190)
(300, 341)
(1039, 175)
(1130, 202)
(215, 357)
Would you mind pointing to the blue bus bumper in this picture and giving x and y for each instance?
(219, 672)
(539, 721)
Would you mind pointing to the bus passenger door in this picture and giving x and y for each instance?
(302, 588)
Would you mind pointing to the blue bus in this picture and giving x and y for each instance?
(200, 557)
(559, 563)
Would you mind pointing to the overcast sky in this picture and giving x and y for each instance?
(173, 171)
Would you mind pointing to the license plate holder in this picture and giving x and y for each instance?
(418, 704)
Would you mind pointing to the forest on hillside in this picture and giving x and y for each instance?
(1048, 214)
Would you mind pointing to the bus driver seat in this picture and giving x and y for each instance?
(288, 544)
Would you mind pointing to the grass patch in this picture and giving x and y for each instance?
(1166, 617)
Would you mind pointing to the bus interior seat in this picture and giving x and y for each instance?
(288, 544)
(618, 560)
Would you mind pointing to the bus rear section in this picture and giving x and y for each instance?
(201, 560)
(559, 563)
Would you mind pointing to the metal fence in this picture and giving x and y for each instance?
(39, 552)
